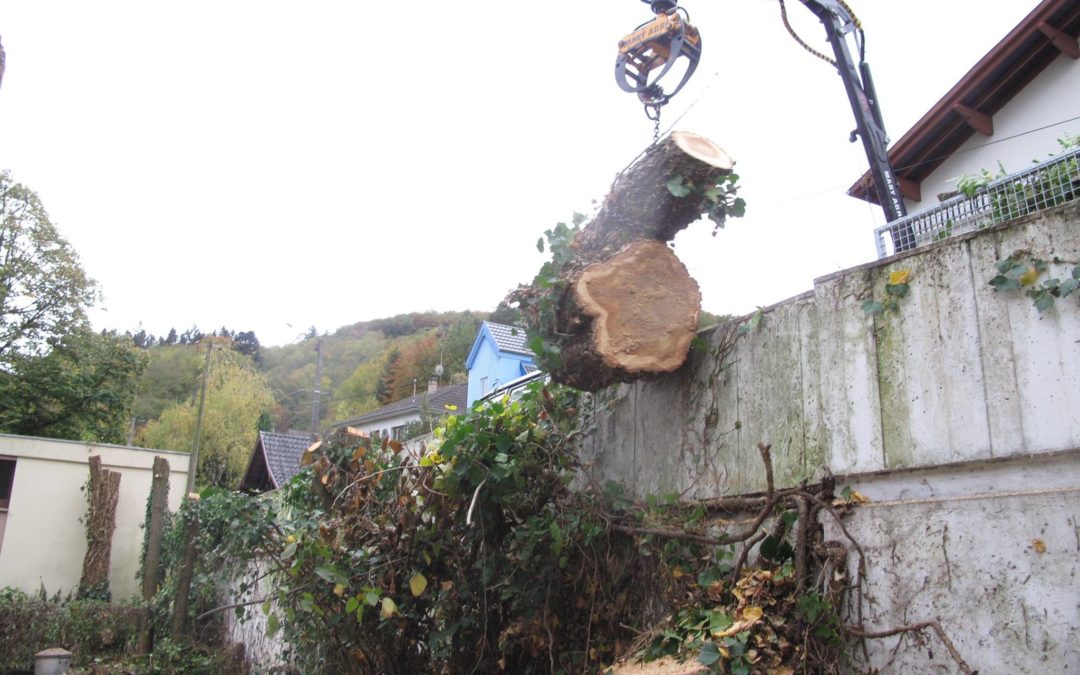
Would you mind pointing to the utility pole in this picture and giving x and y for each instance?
(193, 464)
(317, 391)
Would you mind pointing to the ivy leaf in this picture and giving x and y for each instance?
(873, 307)
(388, 609)
(1005, 265)
(272, 625)
(1043, 301)
(899, 277)
(709, 654)
(289, 551)
(418, 584)
(540, 244)
(709, 577)
(897, 290)
(1029, 277)
(678, 187)
(352, 605)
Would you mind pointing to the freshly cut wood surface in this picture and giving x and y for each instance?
(644, 305)
(630, 308)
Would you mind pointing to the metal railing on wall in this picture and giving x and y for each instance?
(1039, 187)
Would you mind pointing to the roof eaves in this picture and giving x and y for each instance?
(1005, 70)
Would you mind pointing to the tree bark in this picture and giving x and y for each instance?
(104, 493)
(155, 530)
(627, 307)
(183, 579)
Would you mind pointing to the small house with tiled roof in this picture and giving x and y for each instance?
(391, 420)
(274, 461)
(1010, 108)
(499, 354)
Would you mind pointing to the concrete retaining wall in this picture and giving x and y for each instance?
(958, 415)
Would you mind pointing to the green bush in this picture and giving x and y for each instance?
(87, 628)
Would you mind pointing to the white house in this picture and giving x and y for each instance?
(391, 420)
(1010, 108)
(42, 538)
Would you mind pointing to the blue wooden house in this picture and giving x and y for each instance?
(499, 354)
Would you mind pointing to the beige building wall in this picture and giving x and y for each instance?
(43, 539)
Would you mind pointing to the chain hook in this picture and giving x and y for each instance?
(652, 111)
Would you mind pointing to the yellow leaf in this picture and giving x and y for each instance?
(859, 498)
(677, 573)
(339, 590)
(417, 584)
(1029, 277)
(1039, 545)
(752, 613)
(899, 277)
(450, 407)
(388, 609)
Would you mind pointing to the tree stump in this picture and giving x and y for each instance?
(617, 304)
(103, 493)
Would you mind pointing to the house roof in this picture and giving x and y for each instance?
(507, 340)
(453, 395)
(1048, 31)
(275, 460)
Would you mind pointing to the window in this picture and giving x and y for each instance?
(483, 386)
(7, 477)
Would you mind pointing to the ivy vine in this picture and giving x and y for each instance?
(1021, 270)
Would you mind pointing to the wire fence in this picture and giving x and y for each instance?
(1040, 187)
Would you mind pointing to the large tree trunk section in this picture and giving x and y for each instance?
(630, 308)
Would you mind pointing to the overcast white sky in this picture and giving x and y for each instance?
(271, 165)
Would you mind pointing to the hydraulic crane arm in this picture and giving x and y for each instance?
(838, 20)
(647, 54)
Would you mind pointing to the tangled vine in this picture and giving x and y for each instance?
(491, 552)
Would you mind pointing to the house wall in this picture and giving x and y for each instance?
(44, 541)
(957, 415)
(498, 368)
(385, 425)
(1019, 134)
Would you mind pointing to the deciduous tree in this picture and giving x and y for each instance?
(237, 395)
(82, 389)
(44, 291)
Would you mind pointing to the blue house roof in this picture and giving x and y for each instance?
(507, 340)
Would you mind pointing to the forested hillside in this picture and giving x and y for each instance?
(364, 365)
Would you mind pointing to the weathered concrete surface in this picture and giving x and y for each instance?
(958, 415)
(959, 372)
(990, 549)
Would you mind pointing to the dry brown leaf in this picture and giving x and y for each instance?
(1039, 545)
